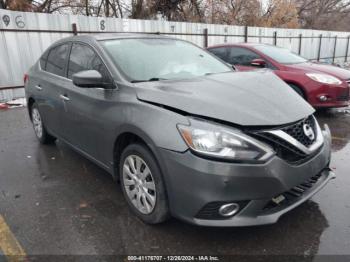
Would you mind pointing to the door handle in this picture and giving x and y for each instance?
(38, 87)
(64, 97)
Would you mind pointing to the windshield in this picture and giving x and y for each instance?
(281, 55)
(147, 59)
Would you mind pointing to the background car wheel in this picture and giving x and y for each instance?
(298, 90)
(142, 184)
(39, 128)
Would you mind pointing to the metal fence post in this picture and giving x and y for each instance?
(319, 49)
(246, 34)
(74, 29)
(335, 48)
(275, 38)
(347, 49)
(300, 41)
(205, 35)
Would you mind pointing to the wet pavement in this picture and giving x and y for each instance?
(57, 202)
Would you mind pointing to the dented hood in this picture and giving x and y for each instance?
(243, 98)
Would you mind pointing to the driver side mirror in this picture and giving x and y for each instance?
(258, 62)
(89, 79)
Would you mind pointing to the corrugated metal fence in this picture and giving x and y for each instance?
(25, 36)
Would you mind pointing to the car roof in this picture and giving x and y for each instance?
(111, 36)
(252, 45)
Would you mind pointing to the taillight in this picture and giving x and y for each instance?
(25, 78)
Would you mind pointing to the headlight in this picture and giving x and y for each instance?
(224, 143)
(325, 79)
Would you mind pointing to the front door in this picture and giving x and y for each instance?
(242, 58)
(85, 108)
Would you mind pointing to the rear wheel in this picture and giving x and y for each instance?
(143, 185)
(39, 128)
(298, 90)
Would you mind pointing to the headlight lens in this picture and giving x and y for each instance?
(221, 142)
(325, 79)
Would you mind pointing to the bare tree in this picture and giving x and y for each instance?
(317, 14)
(320, 14)
(280, 13)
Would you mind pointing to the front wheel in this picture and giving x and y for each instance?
(39, 128)
(143, 185)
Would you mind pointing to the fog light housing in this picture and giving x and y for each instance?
(228, 210)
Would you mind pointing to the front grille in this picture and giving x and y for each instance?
(296, 131)
(293, 195)
(344, 96)
(286, 150)
(211, 210)
(283, 149)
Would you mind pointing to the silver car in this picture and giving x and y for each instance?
(185, 134)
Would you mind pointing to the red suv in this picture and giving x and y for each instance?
(321, 85)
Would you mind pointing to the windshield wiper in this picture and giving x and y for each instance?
(153, 79)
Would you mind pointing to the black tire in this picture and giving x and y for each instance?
(160, 212)
(298, 90)
(44, 137)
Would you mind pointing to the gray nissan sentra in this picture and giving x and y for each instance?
(185, 134)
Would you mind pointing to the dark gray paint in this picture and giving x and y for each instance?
(243, 98)
(93, 118)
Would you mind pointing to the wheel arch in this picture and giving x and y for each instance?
(130, 134)
(298, 85)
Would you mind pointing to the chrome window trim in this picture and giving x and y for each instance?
(307, 150)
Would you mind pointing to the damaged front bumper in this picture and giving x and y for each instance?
(198, 187)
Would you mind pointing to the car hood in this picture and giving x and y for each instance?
(309, 67)
(243, 98)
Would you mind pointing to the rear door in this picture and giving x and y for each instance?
(85, 108)
(49, 86)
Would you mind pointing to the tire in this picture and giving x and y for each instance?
(140, 187)
(298, 90)
(39, 127)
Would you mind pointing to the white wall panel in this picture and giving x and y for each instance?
(19, 50)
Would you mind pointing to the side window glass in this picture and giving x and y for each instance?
(241, 56)
(220, 52)
(83, 58)
(56, 60)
